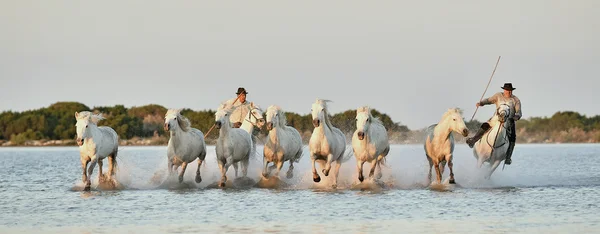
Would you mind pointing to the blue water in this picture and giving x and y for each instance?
(549, 188)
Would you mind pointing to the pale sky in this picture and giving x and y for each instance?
(410, 59)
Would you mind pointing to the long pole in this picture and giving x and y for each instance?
(211, 128)
(486, 88)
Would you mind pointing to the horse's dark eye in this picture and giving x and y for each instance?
(175, 118)
(454, 119)
(86, 126)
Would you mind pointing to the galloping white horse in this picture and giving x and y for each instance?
(439, 142)
(185, 145)
(327, 143)
(234, 145)
(284, 143)
(496, 136)
(95, 143)
(369, 142)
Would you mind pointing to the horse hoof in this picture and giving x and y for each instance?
(222, 184)
(452, 181)
(325, 172)
(317, 179)
(265, 175)
(334, 186)
(198, 179)
(361, 178)
(289, 175)
(180, 179)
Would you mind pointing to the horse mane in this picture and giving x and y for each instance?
(366, 109)
(94, 118)
(184, 123)
(281, 116)
(450, 112)
(323, 102)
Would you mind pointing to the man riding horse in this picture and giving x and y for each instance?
(240, 106)
(501, 98)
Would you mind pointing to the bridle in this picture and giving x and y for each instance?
(501, 126)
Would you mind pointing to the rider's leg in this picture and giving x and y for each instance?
(512, 138)
(484, 128)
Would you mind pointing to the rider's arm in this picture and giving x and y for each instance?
(518, 113)
(491, 100)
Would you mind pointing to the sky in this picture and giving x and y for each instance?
(410, 59)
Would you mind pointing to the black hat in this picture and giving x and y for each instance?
(508, 86)
(241, 90)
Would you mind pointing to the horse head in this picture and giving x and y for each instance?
(222, 116)
(272, 117)
(319, 112)
(503, 112)
(255, 116)
(174, 120)
(456, 122)
(85, 119)
(363, 121)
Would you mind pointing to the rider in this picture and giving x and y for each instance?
(514, 103)
(241, 107)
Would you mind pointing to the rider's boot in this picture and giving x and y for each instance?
(471, 141)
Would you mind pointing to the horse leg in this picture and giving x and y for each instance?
(336, 172)
(265, 171)
(373, 167)
(290, 171)
(492, 169)
(245, 164)
(112, 163)
(316, 177)
(84, 163)
(359, 167)
(198, 177)
(430, 166)
(235, 167)
(438, 173)
(183, 167)
(223, 174)
(91, 170)
(442, 166)
(450, 164)
(379, 173)
(328, 165)
(100, 176)
(279, 166)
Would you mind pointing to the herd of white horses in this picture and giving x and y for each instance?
(327, 144)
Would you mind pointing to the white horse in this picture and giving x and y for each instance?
(253, 121)
(95, 143)
(327, 143)
(185, 144)
(439, 142)
(497, 137)
(283, 143)
(234, 145)
(369, 142)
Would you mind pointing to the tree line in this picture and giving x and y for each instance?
(57, 122)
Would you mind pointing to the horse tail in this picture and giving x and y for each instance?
(382, 158)
(348, 153)
(299, 154)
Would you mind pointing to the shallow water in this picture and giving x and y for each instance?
(549, 188)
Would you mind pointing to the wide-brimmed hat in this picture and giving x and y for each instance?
(241, 90)
(508, 86)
